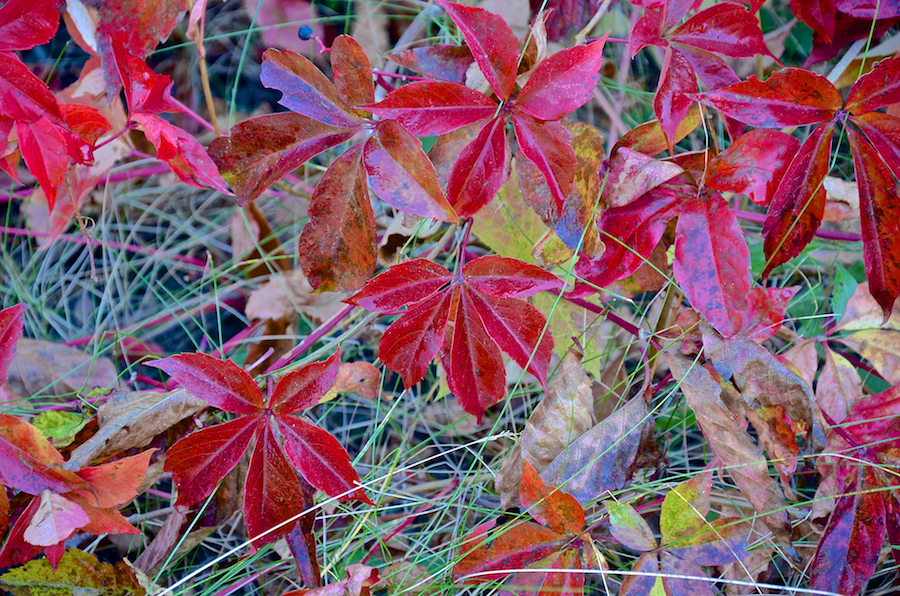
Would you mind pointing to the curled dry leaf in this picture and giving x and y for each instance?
(360, 377)
(131, 419)
(46, 368)
(562, 416)
(604, 458)
(287, 294)
(730, 441)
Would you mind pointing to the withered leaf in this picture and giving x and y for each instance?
(602, 459)
(132, 419)
(46, 368)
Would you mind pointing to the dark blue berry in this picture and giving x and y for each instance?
(305, 32)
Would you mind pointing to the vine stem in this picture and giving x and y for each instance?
(824, 234)
(313, 337)
(611, 317)
(146, 250)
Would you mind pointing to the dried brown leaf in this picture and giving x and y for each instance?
(46, 368)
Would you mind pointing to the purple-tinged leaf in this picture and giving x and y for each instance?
(302, 389)
(548, 146)
(672, 102)
(400, 174)
(753, 165)
(352, 71)
(726, 28)
(441, 62)
(878, 88)
(305, 89)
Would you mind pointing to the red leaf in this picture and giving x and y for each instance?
(220, 383)
(434, 108)
(271, 490)
(115, 483)
(103, 521)
(563, 82)
(883, 132)
(305, 89)
(85, 121)
(43, 148)
(11, 323)
(713, 71)
(879, 211)
(548, 146)
(441, 62)
(727, 29)
(28, 462)
(16, 550)
(321, 459)
(182, 152)
(520, 545)
(631, 233)
(562, 576)
(847, 29)
(492, 43)
(799, 202)
(262, 150)
(25, 24)
(753, 165)
(145, 91)
(479, 171)
(352, 71)
(302, 388)
(869, 9)
(508, 278)
(646, 32)
(406, 283)
(847, 555)
(818, 14)
(23, 96)
(479, 322)
(765, 312)
(472, 360)
(138, 25)
(200, 460)
(338, 244)
(790, 97)
(401, 175)
(549, 505)
(671, 104)
(675, 10)
(517, 327)
(878, 88)
(409, 345)
(712, 262)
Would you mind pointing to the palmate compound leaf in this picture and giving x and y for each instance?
(694, 48)
(273, 493)
(688, 541)
(794, 97)
(468, 317)
(552, 548)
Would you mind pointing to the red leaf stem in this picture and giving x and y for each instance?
(824, 234)
(312, 338)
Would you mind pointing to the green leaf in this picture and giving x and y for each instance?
(629, 527)
(685, 508)
(59, 427)
(844, 287)
(78, 574)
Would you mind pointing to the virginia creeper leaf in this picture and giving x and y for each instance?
(548, 146)
(338, 244)
(11, 324)
(401, 175)
(25, 24)
(262, 150)
(479, 171)
(712, 262)
(23, 96)
(878, 88)
(29, 463)
(352, 71)
(799, 202)
(182, 152)
(790, 97)
(305, 89)
(753, 165)
(43, 148)
(492, 43)
(441, 62)
(676, 83)
(425, 108)
(563, 82)
(629, 528)
(879, 208)
(726, 28)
